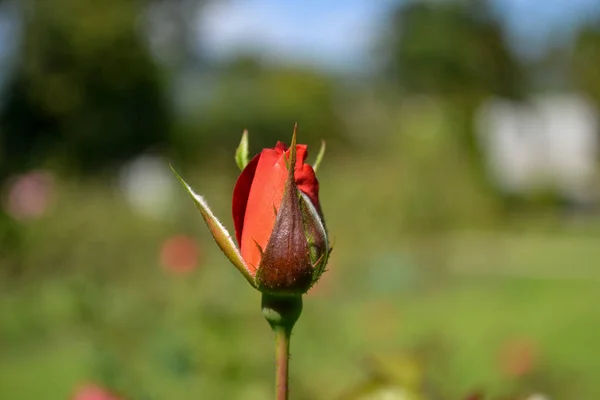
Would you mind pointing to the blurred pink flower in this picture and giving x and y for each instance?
(28, 196)
(518, 357)
(180, 254)
(93, 392)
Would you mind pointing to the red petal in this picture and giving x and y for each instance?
(258, 193)
(240, 197)
(305, 177)
(307, 182)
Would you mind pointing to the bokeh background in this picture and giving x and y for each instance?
(460, 187)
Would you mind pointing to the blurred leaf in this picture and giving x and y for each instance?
(450, 48)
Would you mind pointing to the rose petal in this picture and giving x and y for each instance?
(240, 197)
(258, 193)
(264, 196)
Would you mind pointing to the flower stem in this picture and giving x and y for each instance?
(282, 312)
(282, 359)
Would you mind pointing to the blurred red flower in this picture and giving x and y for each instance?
(475, 396)
(518, 357)
(180, 254)
(93, 392)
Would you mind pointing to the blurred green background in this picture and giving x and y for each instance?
(450, 276)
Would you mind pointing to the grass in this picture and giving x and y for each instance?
(214, 343)
(93, 303)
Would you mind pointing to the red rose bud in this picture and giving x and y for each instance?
(283, 244)
(277, 220)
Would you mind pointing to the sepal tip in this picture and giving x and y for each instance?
(241, 153)
(218, 231)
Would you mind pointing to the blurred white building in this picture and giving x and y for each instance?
(549, 142)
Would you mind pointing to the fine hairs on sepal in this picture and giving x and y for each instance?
(218, 231)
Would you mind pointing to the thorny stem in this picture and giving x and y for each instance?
(282, 312)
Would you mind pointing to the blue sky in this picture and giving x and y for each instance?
(324, 32)
(339, 32)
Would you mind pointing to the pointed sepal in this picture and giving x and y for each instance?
(241, 153)
(218, 231)
(320, 156)
(286, 267)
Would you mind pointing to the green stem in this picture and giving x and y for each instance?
(282, 312)
(282, 360)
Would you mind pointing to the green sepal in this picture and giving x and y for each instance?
(218, 231)
(320, 156)
(241, 153)
(290, 159)
(316, 236)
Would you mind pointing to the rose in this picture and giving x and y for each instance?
(283, 243)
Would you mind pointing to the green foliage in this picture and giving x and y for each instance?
(585, 61)
(265, 100)
(86, 89)
(96, 304)
(451, 47)
(455, 52)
